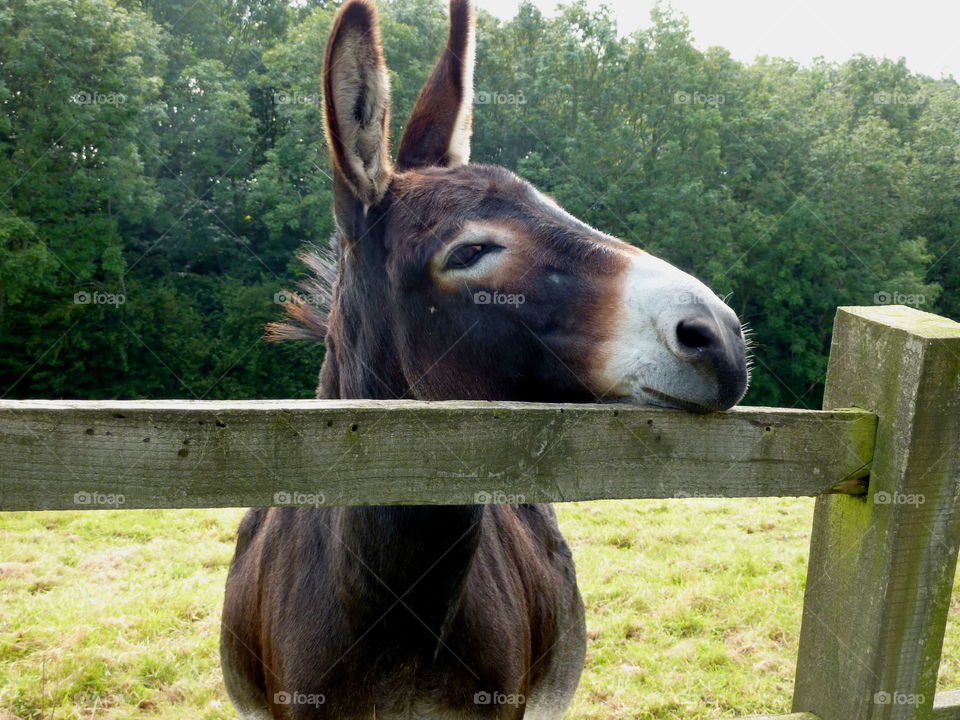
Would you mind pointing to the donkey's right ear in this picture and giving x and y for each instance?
(438, 132)
(356, 103)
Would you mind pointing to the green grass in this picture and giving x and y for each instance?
(693, 610)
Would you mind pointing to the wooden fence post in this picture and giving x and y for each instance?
(882, 565)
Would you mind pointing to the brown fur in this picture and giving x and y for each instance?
(409, 612)
(444, 100)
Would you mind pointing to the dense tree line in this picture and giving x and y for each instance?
(161, 162)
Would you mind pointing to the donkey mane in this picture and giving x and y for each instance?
(308, 311)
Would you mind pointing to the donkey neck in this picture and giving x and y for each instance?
(406, 568)
(362, 354)
(417, 554)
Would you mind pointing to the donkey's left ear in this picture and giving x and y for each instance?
(438, 132)
(356, 99)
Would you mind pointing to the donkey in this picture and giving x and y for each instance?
(462, 612)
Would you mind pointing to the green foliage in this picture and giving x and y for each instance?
(171, 154)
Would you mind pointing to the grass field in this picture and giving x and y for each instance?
(693, 610)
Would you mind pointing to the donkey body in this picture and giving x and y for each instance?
(474, 613)
(460, 611)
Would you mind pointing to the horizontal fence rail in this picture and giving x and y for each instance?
(165, 454)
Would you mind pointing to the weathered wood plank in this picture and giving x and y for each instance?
(790, 716)
(156, 454)
(882, 565)
(946, 705)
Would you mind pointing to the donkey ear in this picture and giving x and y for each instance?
(438, 132)
(356, 103)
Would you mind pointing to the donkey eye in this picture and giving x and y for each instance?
(466, 255)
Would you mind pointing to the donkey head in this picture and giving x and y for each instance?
(460, 281)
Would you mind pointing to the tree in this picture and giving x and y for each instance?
(171, 153)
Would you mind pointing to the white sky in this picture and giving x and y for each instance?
(925, 32)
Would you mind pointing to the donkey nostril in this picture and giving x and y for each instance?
(696, 334)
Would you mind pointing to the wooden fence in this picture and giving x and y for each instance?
(882, 457)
